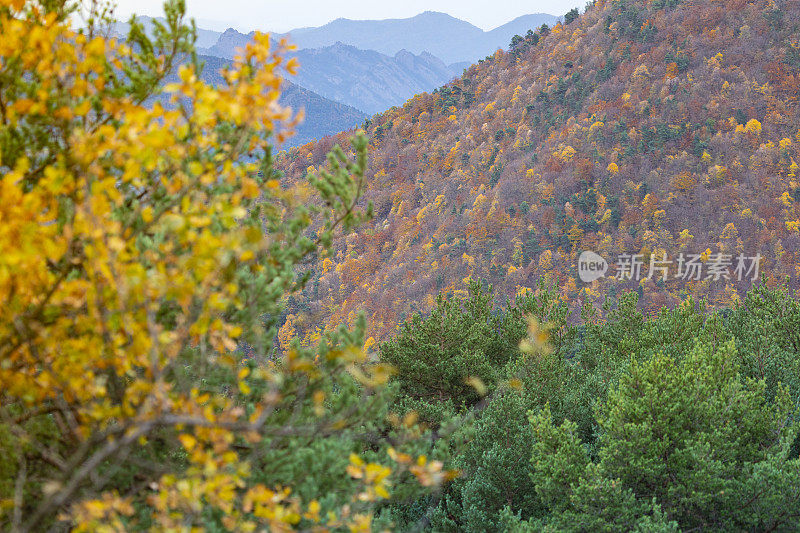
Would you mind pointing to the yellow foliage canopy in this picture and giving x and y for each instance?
(139, 244)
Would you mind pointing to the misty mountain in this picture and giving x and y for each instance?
(519, 26)
(226, 44)
(322, 116)
(448, 38)
(369, 80)
(205, 38)
(365, 79)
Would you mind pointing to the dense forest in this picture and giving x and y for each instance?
(683, 421)
(385, 329)
(642, 128)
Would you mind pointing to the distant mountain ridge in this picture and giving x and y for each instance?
(322, 115)
(450, 39)
(351, 68)
(364, 79)
(205, 38)
(369, 80)
(227, 43)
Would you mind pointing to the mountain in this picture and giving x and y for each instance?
(364, 79)
(448, 38)
(322, 116)
(642, 131)
(205, 38)
(227, 43)
(444, 36)
(502, 35)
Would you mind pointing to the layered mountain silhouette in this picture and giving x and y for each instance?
(373, 65)
(364, 79)
(322, 116)
(446, 37)
(369, 80)
(227, 43)
(205, 38)
(353, 68)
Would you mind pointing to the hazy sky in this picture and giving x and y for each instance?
(283, 15)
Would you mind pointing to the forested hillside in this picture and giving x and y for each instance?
(683, 421)
(162, 364)
(636, 128)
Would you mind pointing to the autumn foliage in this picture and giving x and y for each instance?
(147, 252)
(638, 127)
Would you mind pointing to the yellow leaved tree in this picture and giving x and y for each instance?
(146, 250)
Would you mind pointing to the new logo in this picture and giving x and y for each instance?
(591, 267)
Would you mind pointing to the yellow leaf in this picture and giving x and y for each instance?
(477, 384)
(188, 441)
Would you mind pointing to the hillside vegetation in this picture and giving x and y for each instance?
(151, 255)
(660, 127)
(684, 421)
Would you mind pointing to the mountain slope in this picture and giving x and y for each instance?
(448, 38)
(639, 128)
(322, 116)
